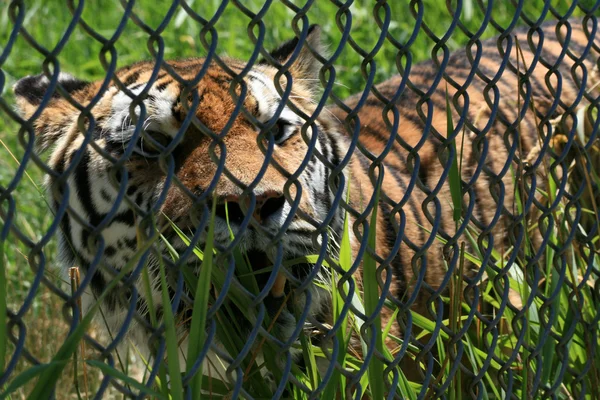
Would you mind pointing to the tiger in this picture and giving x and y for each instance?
(256, 147)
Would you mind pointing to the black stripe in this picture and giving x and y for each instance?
(472, 166)
(324, 194)
(369, 130)
(131, 78)
(411, 117)
(335, 160)
(163, 86)
(131, 243)
(390, 238)
(82, 184)
(396, 173)
(66, 253)
(131, 190)
(397, 176)
(126, 217)
(105, 195)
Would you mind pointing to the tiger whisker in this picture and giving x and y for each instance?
(318, 80)
(311, 101)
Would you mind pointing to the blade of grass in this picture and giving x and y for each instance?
(3, 294)
(549, 347)
(176, 385)
(454, 175)
(306, 259)
(242, 264)
(201, 296)
(456, 301)
(310, 360)
(477, 364)
(29, 374)
(345, 263)
(115, 373)
(527, 374)
(404, 389)
(218, 277)
(371, 298)
(74, 276)
(152, 312)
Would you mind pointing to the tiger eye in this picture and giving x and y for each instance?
(153, 142)
(279, 130)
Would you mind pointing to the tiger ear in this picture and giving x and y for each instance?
(55, 117)
(306, 65)
(32, 89)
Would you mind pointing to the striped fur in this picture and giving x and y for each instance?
(94, 223)
(412, 176)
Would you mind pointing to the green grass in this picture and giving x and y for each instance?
(372, 298)
(47, 335)
(201, 295)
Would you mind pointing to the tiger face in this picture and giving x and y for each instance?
(152, 147)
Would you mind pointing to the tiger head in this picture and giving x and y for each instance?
(169, 140)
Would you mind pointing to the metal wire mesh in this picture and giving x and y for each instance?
(530, 297)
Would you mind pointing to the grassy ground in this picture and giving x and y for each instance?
(46, 21)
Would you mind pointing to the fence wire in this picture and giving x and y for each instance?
(499, 300)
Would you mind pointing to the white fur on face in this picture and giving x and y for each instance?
(158, 114)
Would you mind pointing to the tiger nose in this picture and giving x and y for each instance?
(267, 204)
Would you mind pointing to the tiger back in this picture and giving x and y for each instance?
(505, 105)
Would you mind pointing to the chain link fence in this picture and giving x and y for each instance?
(475, 166)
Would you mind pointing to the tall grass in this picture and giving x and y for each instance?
(520, 330)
